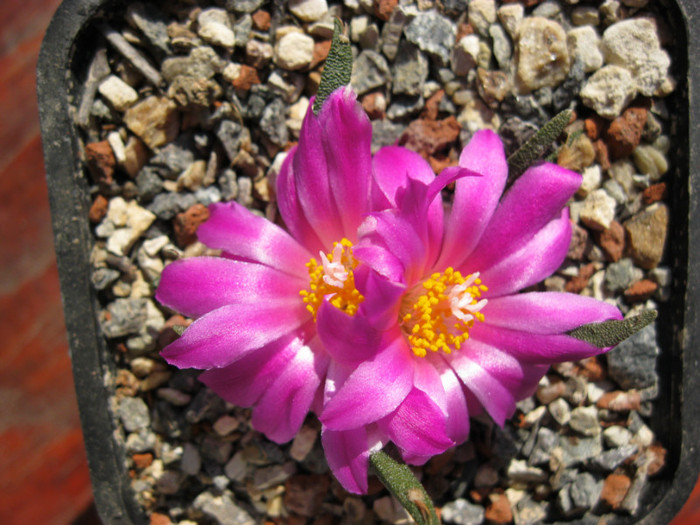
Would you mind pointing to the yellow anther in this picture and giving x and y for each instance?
(334, 276)
(438, 316)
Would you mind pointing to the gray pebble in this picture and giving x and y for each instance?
(462, 512)
(620, 275)
(370, 70)
(611, 459)
(273, 122)
(633, 362)
(126, 316)
(222, 509)
(433, 33)
(576, 450)
(133, 413)
(410, 70)
(148, 184)
(103, 277)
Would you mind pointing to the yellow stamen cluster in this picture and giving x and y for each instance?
(440, 313)
(331, 278)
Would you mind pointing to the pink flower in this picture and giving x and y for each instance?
(448, 335)
(390, 319)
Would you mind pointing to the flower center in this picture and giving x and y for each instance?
(438, 313)
(334, 277)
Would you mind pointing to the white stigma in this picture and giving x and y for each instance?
(461, 300)
(334, 273)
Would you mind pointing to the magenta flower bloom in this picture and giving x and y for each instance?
(390, 318)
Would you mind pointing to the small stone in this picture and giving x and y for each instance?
(529, 512)
(118, 93)
(432, 33)
(584, 44)
(258, 54)
(410, 70)
(625, 132)
(194, 176)
(431, 136)
(612, 241)
(493, 86)
(608, 91)
(576, 450)
(577, 155)
(370, 70)
(462, 512)
(560, 411)
(294, 51)
(598, 210)
(308, 10)
(585, 16)
(135, 156)
(502, 48)
(510, 16)
(640, 291)
(222, 509)
(646, 233)
(98, 209)
(392, 32)
(134, 414)
(215, 27)
(464, 55)
(621, 275)
(155, 120)
(482, 13)
(592, 177)
(620, 401)
(585, 420)
(273, 123)
(654, 193)
(303, 443)
(101, 162)
(616, 436)
(186, 224)
(650, 161)
(191, 462)
(542, 56)
(551, 390)
(225, 425)
(615, 488)
(275, 475)
(304, 494)
(632, 364)
(519, 471)
(486, 476)
(498, 511)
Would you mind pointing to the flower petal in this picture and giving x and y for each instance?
(281, 410)
(417, 426)
(347, 137)
(533, 201)
(537, 259)
(534, 348)
(290, 207)
(373, 390)
(547, 312)
(227, 334)
(347, 452)
(350, 340)
(457, 422)
(198, 285)
(382, 298)
(475, 198)
(310, 170)
(242, 234)
(243, 382)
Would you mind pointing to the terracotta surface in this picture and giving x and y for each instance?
(43, 473)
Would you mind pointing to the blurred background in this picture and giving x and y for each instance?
(44, 477)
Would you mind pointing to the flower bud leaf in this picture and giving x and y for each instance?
(610, 333)
(338, 67)
(533, 149)
(404, 486)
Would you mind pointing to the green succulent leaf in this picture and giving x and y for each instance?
(533, 149)
(610, 333)
(338, 68)
(401, 482)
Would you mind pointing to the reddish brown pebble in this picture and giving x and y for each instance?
(247, 78)
(98, 209)
(594, 127)
(100, 161)
(658, 459)
(577, 247)
(625, 132)
(492, 86)
(464, 30)
(432, 105)
(136, 155)
(620, 401)
(186, 223)
(384, 8)
(640, 291)
(440, 163)
(160, 519)
(578, 283)
(321, 50)
(602, 156)
(654, 193)
(304, 494)
(168, 334)
(428, 137)
(612, 241)
(142, 460)
(498, 512)
(591, 369)
(374, 105)
(615, 489)
(437, 463)
(261, 20)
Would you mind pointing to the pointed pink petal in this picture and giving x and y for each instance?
(475, 198)
(381, 309)
(417, 426)
(238, 232)
(281, 410)
(535, 260)
(291, 210)
(457, 422)
(243, 382)
(199, 285)
(533, 347)
(373, 390)
(225, 335)
(346, 133)
(349, 340)
(347, 452)
(533, 201)
(310, 170)
(547, 312)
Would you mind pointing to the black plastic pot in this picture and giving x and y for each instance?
(62, 68)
